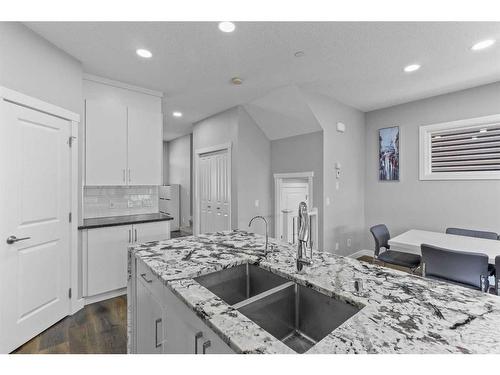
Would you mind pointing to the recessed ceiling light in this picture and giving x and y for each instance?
(299, 54)
(483, 44)
(483, 130)
(437, 137)
(474, 138)
(226, 26)
(177, 114)
(144, 53)
(411, 68)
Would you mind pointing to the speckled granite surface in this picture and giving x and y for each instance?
(401, 314)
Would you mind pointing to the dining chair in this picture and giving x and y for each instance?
(399, 258)
(467, 269)
(472, 233)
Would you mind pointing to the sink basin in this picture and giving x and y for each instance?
(239, 283)
(298, 316)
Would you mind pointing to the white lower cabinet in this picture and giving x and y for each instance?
(105, 255)
(163, 317)
(150, 322)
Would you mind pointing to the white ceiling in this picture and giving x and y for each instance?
(357, 63)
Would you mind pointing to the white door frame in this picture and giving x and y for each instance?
(76, 301)
(278, 182)
(196, 201)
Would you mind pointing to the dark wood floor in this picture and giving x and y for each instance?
(99, 328)
(369, 259)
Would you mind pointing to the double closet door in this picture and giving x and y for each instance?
(214, 191)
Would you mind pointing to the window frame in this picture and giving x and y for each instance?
(425, 137)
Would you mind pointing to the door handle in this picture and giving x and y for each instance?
(129, 235)
(197, 336)
(135, 235)
(157, 321)
(206, 345)
(13, 239)
(143, 275)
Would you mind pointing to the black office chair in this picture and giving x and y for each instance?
(456, 267)
(472, 233)
(381, 235)
(497, 275)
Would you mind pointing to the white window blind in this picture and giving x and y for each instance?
(466, 149)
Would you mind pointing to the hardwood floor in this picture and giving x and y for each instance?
(99, 328)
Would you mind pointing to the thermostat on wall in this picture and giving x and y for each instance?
(341, 127)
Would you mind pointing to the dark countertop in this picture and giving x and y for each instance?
(112, 221)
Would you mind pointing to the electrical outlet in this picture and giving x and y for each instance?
(337, 185)
(349, 242)
(327, 201)
(256, 203)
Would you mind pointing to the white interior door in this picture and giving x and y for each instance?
(214, 192)
(291, 194)
(145, 147)
(35, 204)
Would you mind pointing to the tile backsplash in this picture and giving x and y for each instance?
(103, 201)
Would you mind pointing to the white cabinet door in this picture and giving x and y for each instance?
(150, 331)
(188, 334)
(107, 259)
(105, 143)
(152, 231)
(145, 147)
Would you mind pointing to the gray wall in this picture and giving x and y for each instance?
(301, 153)
(254, 173)
(430, 205)
(179, 172)
(343, 218)
(33, 66)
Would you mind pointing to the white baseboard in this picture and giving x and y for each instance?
(361, 253)
(103, 296)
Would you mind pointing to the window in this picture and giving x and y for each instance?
(461, 150)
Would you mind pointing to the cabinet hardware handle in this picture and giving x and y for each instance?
(135, 235)
(143, 275)
(206, 345)
(129, 176)
(13, 239)
(197, 336)
(157, 321)
(129, 235)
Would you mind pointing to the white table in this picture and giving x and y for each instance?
(410, 242)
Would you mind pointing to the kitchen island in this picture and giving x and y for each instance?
(395, 312)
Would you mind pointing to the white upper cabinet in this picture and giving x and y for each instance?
(105, 143)
(123, 146)
(145, 147)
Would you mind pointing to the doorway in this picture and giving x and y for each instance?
(290, 190)
(213, 189)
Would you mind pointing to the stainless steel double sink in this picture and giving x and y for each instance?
(298, 316)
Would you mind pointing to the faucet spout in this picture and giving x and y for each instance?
(267, 233)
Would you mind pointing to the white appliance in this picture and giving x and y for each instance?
(169, 203)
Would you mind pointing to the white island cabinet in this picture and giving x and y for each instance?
(162, 323)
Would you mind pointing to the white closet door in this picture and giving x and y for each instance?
(34, 225)
(145, 147)
(214, 191)
(105, 143)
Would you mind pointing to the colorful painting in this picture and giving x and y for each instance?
(388, 154)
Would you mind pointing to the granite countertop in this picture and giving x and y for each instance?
(402, 313)
(111, 221)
